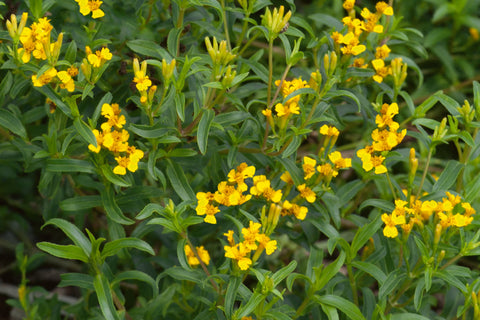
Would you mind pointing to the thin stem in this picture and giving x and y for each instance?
(244, 29)
(394, 194)
(225, 25)
(424, 173)
(249, 42)
(353, 284)
(202, 264)
(270, 71)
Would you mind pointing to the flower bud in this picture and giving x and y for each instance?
(438, 234)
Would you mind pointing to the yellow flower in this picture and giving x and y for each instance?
(352, 46)
(329, 131)
(130, 163)
(99, 137)
(339, 162)
(307, 193)
(391, 221)
(192, 259)
(238, 252)
(67, 81)
(93, 6)
(262, 188)
(98, 58)
(474, 34)
(299, 212)
(229, 236)
(384, 8)
(45, 78)
(382, 52)
(381, 70)
(286, 177)
(327, 170)
(348, 4)
(308, 167)
(265, 242)
(242, 172)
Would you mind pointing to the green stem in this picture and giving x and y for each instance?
(353, 284)
(249, 42)
(424, 173)
(270, 71)
(392, 188)
(244, 29)
(225, 25)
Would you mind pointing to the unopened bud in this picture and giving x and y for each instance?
(438, 233)
(440, 131)
(413, 162)
(441, 255)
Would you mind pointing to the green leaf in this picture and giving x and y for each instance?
(69, 165)
(330, 271)
(104, 295)
(114, 178)
(113, 247)
(148, 210)
(299, 92)
(148, 48)
(12, 123)
(394, 279)
(85, 131)
(385, 205)
(63, 251)
(364, 233)
(150, 132)
(139, 276)
(112, 209)
(290, 165)
(80, 280)
(73, 233)
(342, 93)
(371, 269)
(407, 316)
(231, 294)
(71, 52)
(448, 176)
(248, 308)
(179, 273)
(341, 304)
(292, 147)
(173, 40)
(166, 223)
(281, 274)
(80, 203)
(204, 129)
(426, 105)
(451, 279)
(179, 181)
(55, 97)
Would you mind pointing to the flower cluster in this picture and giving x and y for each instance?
(35, 40)
(115, 139)
(284, 111)
(92, 65)
(192, 258)
(253, 240)
(349, 44)
(229, 193)
(142, 81)
(331, 161)
(64, 78)
(451, 211)
(385, 138)
(275, 21)
(91, 6)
